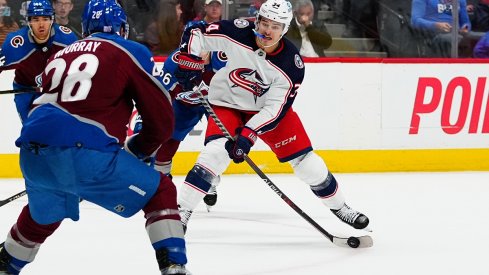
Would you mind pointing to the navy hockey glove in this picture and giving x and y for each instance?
(130, 146)
(189, 71)
(241, 145)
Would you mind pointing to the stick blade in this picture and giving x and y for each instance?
(365, 241)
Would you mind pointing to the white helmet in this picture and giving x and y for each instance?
(278, 11)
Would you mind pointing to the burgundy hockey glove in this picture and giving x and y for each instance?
(189, 71)
(241, 145)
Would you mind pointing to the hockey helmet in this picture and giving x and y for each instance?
(277, 10)
(104, 16)
(40, 8)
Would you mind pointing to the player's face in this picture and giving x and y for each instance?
(271, 30)
(41, 26)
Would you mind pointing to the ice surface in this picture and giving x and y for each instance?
(424, 223)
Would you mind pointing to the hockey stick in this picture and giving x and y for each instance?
(354, 242)
(14, 197)
(20, 91)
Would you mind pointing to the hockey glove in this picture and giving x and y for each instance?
(189, 71)
(191, 98)
(241, 145)
(131, 147)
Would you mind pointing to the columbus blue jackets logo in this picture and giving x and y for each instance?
(249, 80)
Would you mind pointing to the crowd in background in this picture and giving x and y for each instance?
(397, 28)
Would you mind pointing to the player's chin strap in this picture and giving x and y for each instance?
(363, 241)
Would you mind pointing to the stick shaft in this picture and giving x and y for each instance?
(20, 91)
(12, 198)
(257, 170)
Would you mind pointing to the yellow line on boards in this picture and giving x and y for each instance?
(339, 161)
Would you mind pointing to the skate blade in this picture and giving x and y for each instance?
(368, 229)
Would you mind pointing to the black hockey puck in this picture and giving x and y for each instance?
(353, 242)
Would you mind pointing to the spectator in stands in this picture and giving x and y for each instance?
(62, 10)
(21, 7)
(480, 20)
(309, 37)
(162, 36)
(481, 49)
(7, 23)
(361, 18)
(212, 10)
(434, 19)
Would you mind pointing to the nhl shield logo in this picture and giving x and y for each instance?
(119, 208)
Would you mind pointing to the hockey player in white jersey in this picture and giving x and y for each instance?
(253, 97)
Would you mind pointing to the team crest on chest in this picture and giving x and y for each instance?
(17, 41)
(64, 29)
(249, 80)
(298, 61)
(241, 23)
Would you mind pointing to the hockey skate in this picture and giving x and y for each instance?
(211, 198)
(351, 217)
(174, 269)
(166, 266)
(4, 260)
(184, 217)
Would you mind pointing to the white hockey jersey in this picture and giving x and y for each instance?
(252, 81)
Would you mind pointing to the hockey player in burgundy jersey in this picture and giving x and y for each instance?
(28, 49)
(71, 143)
(188, 112)
(253, 97)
